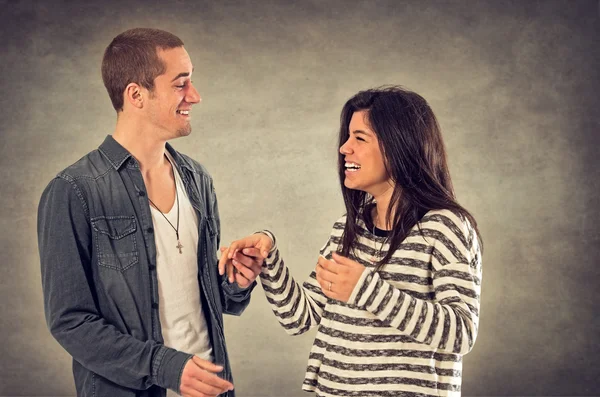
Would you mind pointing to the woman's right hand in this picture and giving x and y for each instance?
(255, 246)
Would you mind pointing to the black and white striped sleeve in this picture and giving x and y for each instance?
(297, 307)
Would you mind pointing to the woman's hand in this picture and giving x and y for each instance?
(246, 256)
(338, 277)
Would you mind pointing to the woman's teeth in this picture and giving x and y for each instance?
(353, 167)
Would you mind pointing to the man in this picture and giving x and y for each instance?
(128, 238)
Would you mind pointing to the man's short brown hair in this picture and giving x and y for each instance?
(132, 58)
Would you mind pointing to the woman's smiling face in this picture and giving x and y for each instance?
(365, 167)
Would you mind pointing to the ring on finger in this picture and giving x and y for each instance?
(330, 286)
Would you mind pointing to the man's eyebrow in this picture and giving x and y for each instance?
(184, 74)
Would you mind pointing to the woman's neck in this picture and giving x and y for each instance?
(380, 210)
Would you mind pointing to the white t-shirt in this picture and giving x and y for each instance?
(181, 318)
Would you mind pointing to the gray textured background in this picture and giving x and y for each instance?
(514, 84)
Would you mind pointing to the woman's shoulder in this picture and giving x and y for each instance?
(450, 224)
(339, 224)
(446, 217)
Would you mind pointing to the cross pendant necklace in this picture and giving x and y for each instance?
(179, 246)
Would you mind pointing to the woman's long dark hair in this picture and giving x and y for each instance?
(415, 158)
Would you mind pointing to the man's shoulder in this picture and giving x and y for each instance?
(90, 166)
(72, 182)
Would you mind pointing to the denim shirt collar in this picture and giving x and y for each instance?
(114, 152)
(117, 155)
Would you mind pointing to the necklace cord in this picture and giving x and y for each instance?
(176, 199)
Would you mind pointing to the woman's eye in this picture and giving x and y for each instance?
(360, 139)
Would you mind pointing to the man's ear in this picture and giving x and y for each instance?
(133, 95)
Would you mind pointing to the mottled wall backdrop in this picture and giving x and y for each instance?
(514, 84)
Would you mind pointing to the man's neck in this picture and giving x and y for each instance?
(143, 144)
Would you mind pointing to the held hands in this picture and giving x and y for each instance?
(199, 380)
(243, 258)
(338, 277)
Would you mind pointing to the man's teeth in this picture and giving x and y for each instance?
(352, 166)
(184, 112)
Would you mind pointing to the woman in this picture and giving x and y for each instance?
(396, 289)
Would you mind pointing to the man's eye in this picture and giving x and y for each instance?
(180, 86)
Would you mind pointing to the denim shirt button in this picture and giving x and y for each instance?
(154, 305)
(150, 230)
(142, 193)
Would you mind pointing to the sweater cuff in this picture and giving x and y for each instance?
(168, 367)
(364, 287)
(271, 258)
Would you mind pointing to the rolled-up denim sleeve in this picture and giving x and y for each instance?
(72, 315)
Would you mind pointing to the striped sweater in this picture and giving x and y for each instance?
(405, 328)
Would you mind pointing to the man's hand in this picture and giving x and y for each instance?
(338, 277)
(246, 256)
(199, 380)
(248, 263)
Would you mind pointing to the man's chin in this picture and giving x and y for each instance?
(184, 131)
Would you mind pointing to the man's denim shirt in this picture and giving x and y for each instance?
(98, 260)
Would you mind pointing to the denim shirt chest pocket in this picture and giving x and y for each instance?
(115, 241)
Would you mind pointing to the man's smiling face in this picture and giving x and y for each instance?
(169, 104)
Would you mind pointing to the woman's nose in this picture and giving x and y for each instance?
(345, 149)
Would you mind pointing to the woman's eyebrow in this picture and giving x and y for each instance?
(361, 132)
